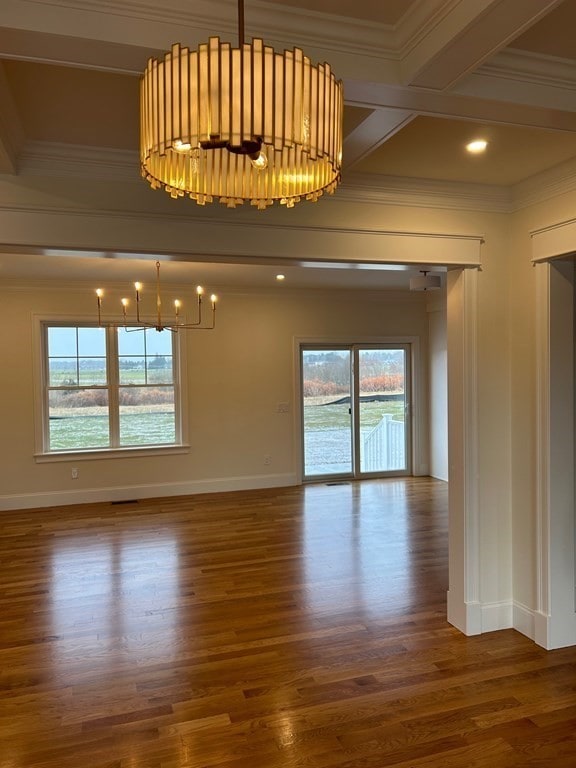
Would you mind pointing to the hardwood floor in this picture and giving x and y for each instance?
(301, 627)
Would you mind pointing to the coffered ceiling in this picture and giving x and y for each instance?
(421, 78)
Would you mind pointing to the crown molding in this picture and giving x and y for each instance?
(53, 160)
(533, 68)
(519, 78)
(415, 25)
(559, 180)
(274, 23)
(423, 193)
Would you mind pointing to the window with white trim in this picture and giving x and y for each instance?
(109, 388)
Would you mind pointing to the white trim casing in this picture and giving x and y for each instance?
(464, 606)
(555, 614)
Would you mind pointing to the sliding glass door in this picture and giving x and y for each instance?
(382, 410)
(327, 411)
(356, 410)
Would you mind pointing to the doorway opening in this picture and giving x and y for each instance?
(356, 414)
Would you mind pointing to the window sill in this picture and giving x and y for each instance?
(111, 453)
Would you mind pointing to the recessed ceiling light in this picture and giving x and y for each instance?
(280, 277)
(477, 146)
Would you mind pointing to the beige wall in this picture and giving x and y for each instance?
(438, 373)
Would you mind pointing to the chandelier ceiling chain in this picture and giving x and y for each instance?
(159, 323)
(240, 124)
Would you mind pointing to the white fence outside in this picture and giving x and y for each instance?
(384, 447)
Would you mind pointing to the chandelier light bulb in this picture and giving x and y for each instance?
(182, 146)
(260, 162)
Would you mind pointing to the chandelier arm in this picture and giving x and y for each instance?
(240, 23)
(158, 299)
(158, 324)
(199, 311)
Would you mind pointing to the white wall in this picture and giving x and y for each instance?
(438, 390)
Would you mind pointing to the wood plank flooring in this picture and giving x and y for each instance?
(301, 627)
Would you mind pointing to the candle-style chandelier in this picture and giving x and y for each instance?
(159, 323)
(237, 124)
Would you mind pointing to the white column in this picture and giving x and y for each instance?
(464, 607)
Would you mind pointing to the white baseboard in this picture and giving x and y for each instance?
(152, 491)
(543, 629)
(467, 617)
(497, 616)
(524, 620)
(475, 618)
(555, 631)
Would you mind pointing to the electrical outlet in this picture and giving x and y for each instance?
(75, 473)
(267, 459)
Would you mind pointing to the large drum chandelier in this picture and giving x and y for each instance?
(236, 124)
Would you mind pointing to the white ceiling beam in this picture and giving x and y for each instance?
(377, 128)
(11, 133)
(470, 32)
(457, 106)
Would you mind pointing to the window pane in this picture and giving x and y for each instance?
(92, 370)
(62, 372)
(158, 342)
(382, 404)
(62, 342)
(159, 369)
(130, 342)
(91, 342)
(147, 416)
(327, 412)
(132, 370)
(78, 419)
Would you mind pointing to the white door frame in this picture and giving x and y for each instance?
(555, 614)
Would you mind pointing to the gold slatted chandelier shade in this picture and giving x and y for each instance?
(236, 124)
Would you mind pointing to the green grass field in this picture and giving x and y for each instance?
(321, 417)
(85, 432)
